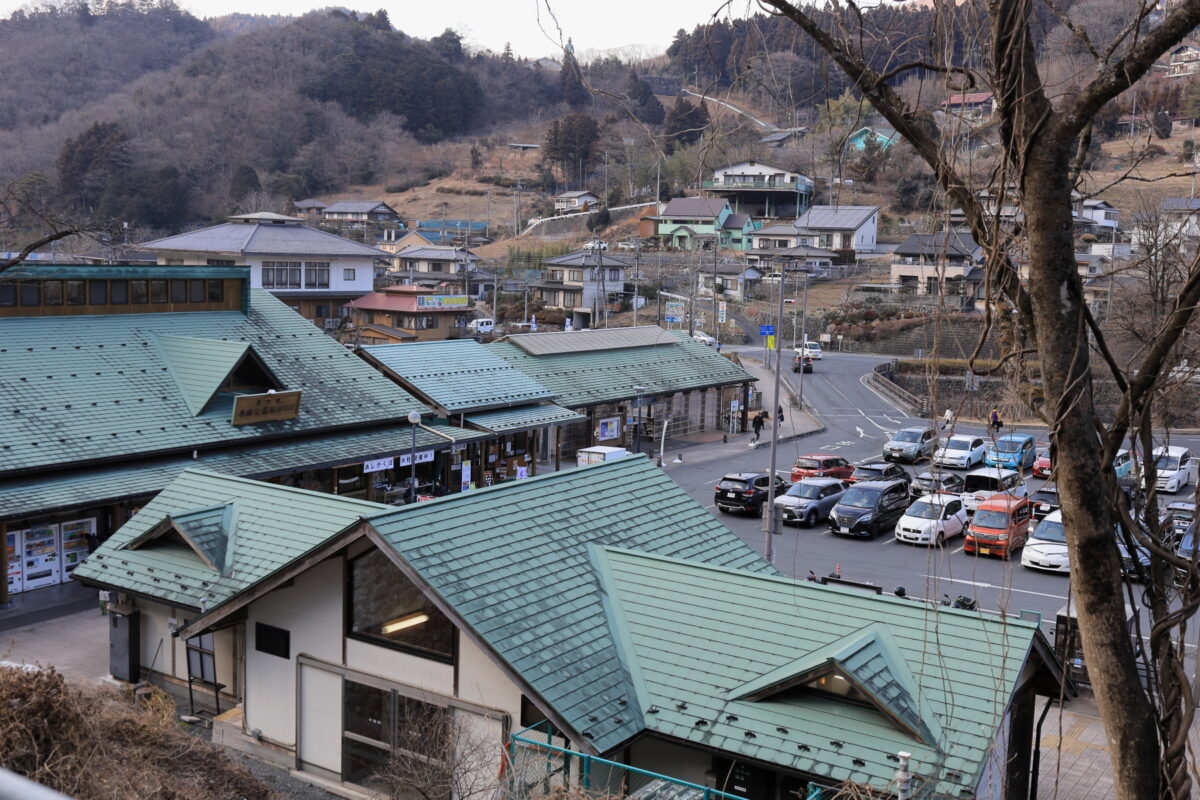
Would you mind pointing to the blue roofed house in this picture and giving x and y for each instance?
(687, 223)
(582, 623)
(884, 137)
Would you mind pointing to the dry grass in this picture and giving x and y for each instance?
(93, 743)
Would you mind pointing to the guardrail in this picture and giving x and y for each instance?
(781, 186)
(880, 379)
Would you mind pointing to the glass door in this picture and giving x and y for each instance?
(41, 557)
(75, 541)
(15, 563)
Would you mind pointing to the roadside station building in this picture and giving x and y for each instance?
(117, 378)
(687, 386)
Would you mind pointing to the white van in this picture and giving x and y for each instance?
(982, 483)
(1175, 468)
(484, 325)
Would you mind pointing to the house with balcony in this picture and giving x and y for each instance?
(569, 202)
(690, 223)
(971, 107)
(761, 190)
(360, 212)
(440, 266)
(1183, 61)
(938, 264)
(732, 281)
(313, 271)
(1106, 218)
(582, 284)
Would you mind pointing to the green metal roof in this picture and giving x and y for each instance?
(512, 561)
(99, 388)
(699, 639)
(29, 497)
(523, 418)
(274, 526)
(30, 270)
(458, 374)
(604, 376)
(199, 366)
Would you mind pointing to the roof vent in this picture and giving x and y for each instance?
(803, 748)
(700, 723)
(858, 762)
(836, 743)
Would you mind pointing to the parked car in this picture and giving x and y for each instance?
(1045, 501)
(910, 444)
(746, 492)
(1042, 466)
(932, 520)
(821, 465)
(1175, 468)
(804, 363)
(627, 245)
(931, 482)
(1046, 547)
(980, 484)
(961, 450)
(1123, 464)
(1135, 564)
(483, 325)
(879, 471)
(1012, 450)
(809, 501)
(1182, 515)
(597, 245)
(999, 527)
(703, 338)
(869, 508)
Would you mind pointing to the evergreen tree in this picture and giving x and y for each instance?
(574, 93)
(476, 159)
(379, 21)
(243, 182)
(644, 104)
(571, 144)
(686, 122)
(507, 55)
(448, 44)
(88, 163)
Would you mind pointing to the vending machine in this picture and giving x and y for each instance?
(41, 557)
(15, 563)
(75, 542)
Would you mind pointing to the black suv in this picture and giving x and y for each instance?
(868, 508)
(879, 471)
(746, 491)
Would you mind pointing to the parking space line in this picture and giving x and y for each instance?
(959, 550)
(891, 540)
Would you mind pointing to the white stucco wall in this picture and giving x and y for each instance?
(364, 272)
(166, 654)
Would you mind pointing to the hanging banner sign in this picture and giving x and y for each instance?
(443, 301)
(422, 458)
(722, 308)
(379, 465)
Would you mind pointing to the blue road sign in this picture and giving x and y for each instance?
(766, 330)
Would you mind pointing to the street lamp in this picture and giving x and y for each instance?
(414, 419)
(638, 435)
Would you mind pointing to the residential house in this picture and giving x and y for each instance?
(1184, 60)
(844, 228)
(938, 264)
(442, 266)
(1004, 207)
(467, 384)
(816, 261)
(361, 213)
(1177, 220)
(733, 281)
(687, 385)
(585, 284)
(761, 190)
(642, 632)
(408, 313)
(782, 136)
(1105, 217)
(1090, 266)
(310, 209)
(688, 223)
(568, 202)
(547, 64)
(972, 107)
(117, 378)
(313, 271)
(884, 137)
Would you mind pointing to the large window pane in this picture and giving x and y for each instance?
(196, 291)
(118, 292)
(178, 290)
(158, 291)
(76, 293)
(139, 292)
(8, 293)
(98, 293)
(367, 711)
(385, 605)
(216, 290)
(31, 293)
(53, 291)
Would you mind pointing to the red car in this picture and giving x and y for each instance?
(821, 465)
(1041, 465)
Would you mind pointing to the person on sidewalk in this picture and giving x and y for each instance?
(778, 416)
(757, 423)
(996, 422)
(948, 420)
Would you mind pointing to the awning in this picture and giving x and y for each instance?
(523, 418)
(48, 494)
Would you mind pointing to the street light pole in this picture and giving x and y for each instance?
(638, 433)
(771, 518)
(414, 419)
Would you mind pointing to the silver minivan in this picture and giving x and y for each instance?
(980, 484)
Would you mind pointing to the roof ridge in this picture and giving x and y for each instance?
(259, 484)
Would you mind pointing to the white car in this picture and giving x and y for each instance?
(932, 520)
(812, 349)
(596, 244)
(982, 483)
(1175, 468)
(961, 450)
(1046, 547)
(703, 338)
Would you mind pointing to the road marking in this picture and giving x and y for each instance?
(960, 549)
(891, 540)
(889, 419)
(832, 447)
(981, 585)
(861, 435)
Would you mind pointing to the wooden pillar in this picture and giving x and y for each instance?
(745, 412)
(3, 565)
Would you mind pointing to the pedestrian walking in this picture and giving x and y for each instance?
(948, 419)
(997, 423)
(778, 416)
(757, 423)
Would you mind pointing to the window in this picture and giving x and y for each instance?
(272, 641)
(316, 274)
(201, 659)
(378, 721)
(158, 291)
(347, 274)
(321, 312)
(76, 293)
(52, 293)
(614, 274)
(195, 290)
(31, 293)
(178, 291)
(139, 292)
(8, 294)
(221, 262)
(118, 292)
(97, 293)
(575, 275)
(215, 290)
(385, 607)
(281, 274)
(437, 266)
(415, 322)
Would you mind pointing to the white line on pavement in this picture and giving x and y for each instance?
(982, 585)
(960, 548)
(891, 540)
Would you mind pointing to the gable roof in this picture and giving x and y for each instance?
(458, 374)
(848, 218)
(574, 194)
(586, 258)
(262, 238)
(78, 389)
(585, 375)
(358, 207)
(778, 229)
(242, 531)
(754, 162)
(938, 245)
(699, 638)
(736, 221)
(512, 562)
(435, 253)
(1180, 204)
(694, 207)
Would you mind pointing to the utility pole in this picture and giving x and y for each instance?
(716, 317)
(517, 208)
(637, 276)
(803, 339)
(487, 225)
(771, 519)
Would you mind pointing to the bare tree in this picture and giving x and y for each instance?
(1044, 136)
(442, 755)
(26, 217)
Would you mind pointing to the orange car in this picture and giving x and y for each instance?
(1000, 526)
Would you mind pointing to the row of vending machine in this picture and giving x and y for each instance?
(43, 555)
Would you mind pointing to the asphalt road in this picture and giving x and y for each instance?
(858, 422)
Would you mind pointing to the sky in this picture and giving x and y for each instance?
(594, 25)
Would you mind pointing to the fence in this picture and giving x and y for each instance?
(880, 379)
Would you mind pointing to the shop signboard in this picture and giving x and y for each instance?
(254, 409)
(674, 311)
(422, 458)
(722, 311)
(13, 541)
(378, 465)
(443, 301)
(75, 541)
(466, 476)
(610, 428)
(41, 556)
